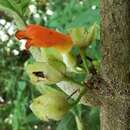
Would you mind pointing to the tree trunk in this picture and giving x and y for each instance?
(114, 115)
(115, 39)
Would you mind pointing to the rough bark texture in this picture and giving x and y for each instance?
(115, 38)
(114, 114)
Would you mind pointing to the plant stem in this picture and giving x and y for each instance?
(79, 123)
(82, 92)
(84, 60)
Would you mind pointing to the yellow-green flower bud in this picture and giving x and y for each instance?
(50, 54)
(45, 54)
(91, 36)
(51, 105)
(69, 60)
(46, 72)
(77, 35)
(83, 38)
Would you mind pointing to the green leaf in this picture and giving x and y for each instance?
(91, 118)
(24, 5)
(19, 7)
(67, 123)
(5, 3)
(43, 88)
(15, 10)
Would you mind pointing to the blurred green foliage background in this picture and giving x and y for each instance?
(16, 92)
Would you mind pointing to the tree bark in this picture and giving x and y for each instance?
(114, 114)
(115, 40)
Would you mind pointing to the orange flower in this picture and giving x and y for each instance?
(39, 36)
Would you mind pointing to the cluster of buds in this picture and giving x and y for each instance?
(52, 104)
(50, 65)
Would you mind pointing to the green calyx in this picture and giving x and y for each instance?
(46, 72)
(51, 105)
